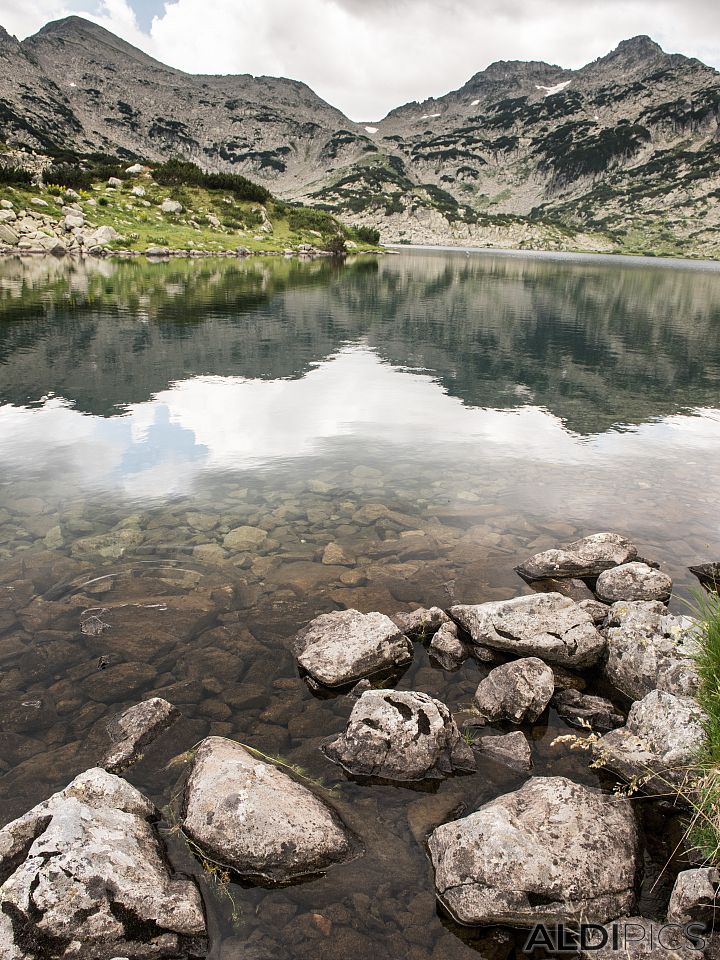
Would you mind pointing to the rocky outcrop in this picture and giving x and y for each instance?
(588, 557)
(518, 691)
(544, 625)
(401, 735)
(84, 877)
(552, 851)
(650, 649)
(134, 729)
(583, 710)
(658, 745)
(247, 814)
(342, 647)
(633, 581)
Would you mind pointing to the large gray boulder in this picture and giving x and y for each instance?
(511, 749)
(446, 647)
(588, 557)
(650, 649)
(84, 877)
(633, 581)
(257, 820)
(342, 647)
(544, 625)
(518, 691)
(134, 729)
(553, 851)
(661, 740)
(422, 622)
(401, 735)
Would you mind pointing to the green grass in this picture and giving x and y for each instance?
(704, 830)
(142, 224)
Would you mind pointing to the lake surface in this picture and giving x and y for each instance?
(441, 416)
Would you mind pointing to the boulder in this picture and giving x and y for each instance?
(344, 646)
(73, 221)
(633, 581)
(257, 820)
(401, 735)
(244, 538)
(8, 236)
(511, 749)
(544, 625)
(447, 649)
(553, 851)
(136, 169)
(84, 877)
(138, 191)
(336, 555)
(134, 729)
(421, 623)
(114, 182)
(583, 711)
(694, 898)
(154, 252)
(7, 215)
(588, 557)
(171, 206)
(518, 691)
(101, 236)
(662, 738)
(650, 649)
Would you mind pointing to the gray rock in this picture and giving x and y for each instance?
(8, 235)
(582, 558)
(552, 851)
(630, 938)
(7, 215)
(650, 649)
(136, 169)
(421, 623)
(401, 735)
(344, 646)
(84, 877)
(73, 221)
(171, 206)
(518, 691)
(633, 581)
(447, 649)
(138, 191)
(114, 182)
(545, 625)
(154, 252)
(659, 743)
(582, 710)
(511, 749)
(134, 729)
(597, 610)
(257, 820)
(694, 898)
(102, 236)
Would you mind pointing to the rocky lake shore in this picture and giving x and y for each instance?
(85, 873)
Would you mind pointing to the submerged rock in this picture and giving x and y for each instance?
(544, 625)
(344, 646)
(447, 648)
(511, 749)
(84, 877)
(134, 729)
(659, 743)
(582, 710)
(518, 691)
(257, 820)
(552, 851)
(633, 581)
(588, 557)
(650, 649)
(401, 735)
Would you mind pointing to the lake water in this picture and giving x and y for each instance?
(439, 415)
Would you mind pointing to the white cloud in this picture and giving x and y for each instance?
(367, 57)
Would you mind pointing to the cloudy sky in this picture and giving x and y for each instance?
(367, 56)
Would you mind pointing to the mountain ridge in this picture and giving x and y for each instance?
(618, 154)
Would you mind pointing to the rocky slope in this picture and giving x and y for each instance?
(619, 155)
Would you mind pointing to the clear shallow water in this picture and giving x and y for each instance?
(441, 416)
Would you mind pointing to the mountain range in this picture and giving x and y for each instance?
(620, 155)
